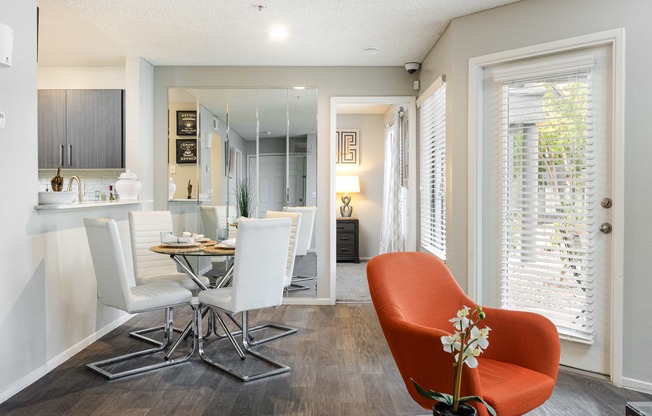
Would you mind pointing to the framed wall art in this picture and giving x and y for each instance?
(186, 151)
(186, 123)
(348, 147)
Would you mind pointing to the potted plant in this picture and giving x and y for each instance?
(465, 344)
(243, 197)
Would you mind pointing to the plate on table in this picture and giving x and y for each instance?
(195, 244)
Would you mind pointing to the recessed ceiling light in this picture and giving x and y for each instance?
(278, 33)
(371, 50)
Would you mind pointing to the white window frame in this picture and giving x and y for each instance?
(615, 40)
(439, 251)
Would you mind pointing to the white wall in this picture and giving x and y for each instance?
(367, 205)
(531, 22)
(48, 301)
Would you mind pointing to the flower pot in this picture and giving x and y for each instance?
(442, 409)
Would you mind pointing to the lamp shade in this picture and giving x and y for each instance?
(347, 184)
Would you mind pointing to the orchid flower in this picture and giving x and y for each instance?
(465, 344)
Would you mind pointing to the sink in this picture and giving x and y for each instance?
(56, 198)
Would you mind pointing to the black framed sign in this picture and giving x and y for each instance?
(186, 151)
(186, 123)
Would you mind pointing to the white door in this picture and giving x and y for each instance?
(297, 178)
(272, 181)
(547, 168)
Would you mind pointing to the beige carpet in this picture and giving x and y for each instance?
(352, 284)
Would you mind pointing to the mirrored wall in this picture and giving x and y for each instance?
(221, 139)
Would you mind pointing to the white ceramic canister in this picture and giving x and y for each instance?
(128, 186)
(172, 187)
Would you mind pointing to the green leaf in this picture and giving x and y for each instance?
(433, 395)
(479, 400)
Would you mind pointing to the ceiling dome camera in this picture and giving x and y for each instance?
(412, 67)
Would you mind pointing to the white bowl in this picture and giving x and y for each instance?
(56, 198)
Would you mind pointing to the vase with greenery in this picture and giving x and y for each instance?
(465, 344)
(243, 197)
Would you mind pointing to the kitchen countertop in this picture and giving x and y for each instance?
(85, 205)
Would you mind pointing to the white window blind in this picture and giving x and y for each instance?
(548, 176)
(433, 169)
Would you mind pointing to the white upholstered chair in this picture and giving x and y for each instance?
(115, 290)
(258, 277)
(305, 238)
(145, 229)
(295, 230)
(214, 216)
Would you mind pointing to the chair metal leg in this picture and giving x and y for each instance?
(253, 341)
(140, 333)
(278, 368)
(97, 366)
(295, 287)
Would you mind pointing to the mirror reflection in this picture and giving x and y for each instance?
(256, 140)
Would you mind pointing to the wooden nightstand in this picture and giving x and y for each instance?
(348, 240)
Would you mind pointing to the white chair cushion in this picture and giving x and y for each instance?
(220, 298)
(157, 296)
(176, 279)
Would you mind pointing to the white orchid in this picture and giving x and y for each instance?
(465, 344)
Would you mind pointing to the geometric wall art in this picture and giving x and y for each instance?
(348, 147)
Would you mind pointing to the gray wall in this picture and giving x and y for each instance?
(531, 22)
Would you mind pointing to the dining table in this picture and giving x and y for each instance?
(180, 254)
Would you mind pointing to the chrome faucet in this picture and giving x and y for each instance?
(80, 193)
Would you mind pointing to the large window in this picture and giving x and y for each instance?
(433, 169)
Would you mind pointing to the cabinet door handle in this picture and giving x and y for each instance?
(69, 155)
(344, 249)
(61, 155)
(344, 238)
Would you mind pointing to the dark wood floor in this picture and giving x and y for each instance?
(340, 366)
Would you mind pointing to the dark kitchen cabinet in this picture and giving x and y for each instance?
(81, 129)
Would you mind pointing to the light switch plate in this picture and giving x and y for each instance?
(2, 120)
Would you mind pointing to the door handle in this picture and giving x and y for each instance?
(60, 155)
(69, 155)
(605, 228)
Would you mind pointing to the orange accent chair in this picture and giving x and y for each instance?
(415, 295)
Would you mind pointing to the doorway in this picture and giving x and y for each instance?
(368, 105)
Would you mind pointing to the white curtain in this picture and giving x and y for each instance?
(391, 235)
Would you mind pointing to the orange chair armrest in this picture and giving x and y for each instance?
(525, 339)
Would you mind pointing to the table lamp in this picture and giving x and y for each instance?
(345, 185)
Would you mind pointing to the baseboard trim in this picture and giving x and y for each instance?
(638, 385)
(60, 359)
(627, 383)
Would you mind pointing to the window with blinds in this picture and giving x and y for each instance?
(433, 169)
(548, 174)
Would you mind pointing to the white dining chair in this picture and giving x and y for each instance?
(115, 290)
(216, 216)
(145, 229)
(261, 253)
(304, 240)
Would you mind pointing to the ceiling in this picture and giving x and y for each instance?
(236, 33)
